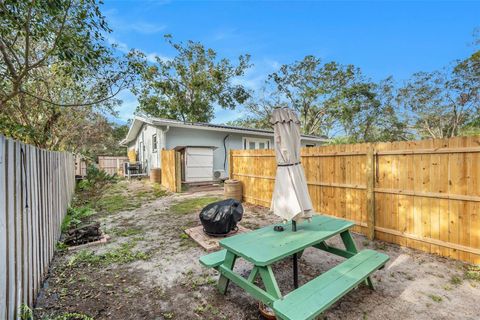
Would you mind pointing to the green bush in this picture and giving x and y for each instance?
(75, 215)
(94, 179)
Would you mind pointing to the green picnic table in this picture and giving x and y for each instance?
(263, 247)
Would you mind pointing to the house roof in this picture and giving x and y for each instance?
(139, 120)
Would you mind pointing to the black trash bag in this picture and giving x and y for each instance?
(219, 218)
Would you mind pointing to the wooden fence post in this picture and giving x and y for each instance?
(178, 172)
(370, 172)
(230, 164)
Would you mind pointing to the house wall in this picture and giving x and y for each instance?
(170, 138)
(194, 137)
(143, 146)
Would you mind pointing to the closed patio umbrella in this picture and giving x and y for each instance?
(290, 200)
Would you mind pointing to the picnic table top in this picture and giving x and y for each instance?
(265, 246)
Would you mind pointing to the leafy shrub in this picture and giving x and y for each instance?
(25, 313)
(75, 215)
(94, 179)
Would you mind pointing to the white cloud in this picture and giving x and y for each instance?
(151, 57)
(145, 27)
(120, 46)
(123, 47)
(119, 24)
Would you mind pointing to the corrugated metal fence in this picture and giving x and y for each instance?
(420, 194)
(36, 187)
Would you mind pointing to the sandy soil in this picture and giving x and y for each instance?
(171, 284)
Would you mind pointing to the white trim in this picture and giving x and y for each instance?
(131, 135)
(246, 142)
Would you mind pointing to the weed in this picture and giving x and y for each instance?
(435, 298)
(472, 273)
(25, 312)
(127, 232)
(191, 205)
(73, 316)
(207, 308)
(61, 246)
(366, 243)
(380, 246)
(447, 287)
(184, 236)
(75, 215)
(168, 315)
(158, 191)
(456, 280)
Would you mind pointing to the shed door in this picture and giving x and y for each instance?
(198, 164)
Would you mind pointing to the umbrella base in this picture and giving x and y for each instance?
(266, 311)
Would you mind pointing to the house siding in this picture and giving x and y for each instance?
(205, 138)
(177, 137)
(148, 158)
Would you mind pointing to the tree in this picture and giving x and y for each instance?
(440, 104)
(259, 109)
(331, 99)
(67, 36)
(188, 86)
(312, 89)
(58, 77)
(366, 112)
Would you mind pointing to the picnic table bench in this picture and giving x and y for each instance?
(264, 246)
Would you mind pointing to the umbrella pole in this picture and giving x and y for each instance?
(295, 260)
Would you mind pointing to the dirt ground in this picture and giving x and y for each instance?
(149, 270)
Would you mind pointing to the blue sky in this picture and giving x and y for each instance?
(382, 38)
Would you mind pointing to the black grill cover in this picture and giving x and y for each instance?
(219, 218)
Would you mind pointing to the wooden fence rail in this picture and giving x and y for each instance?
(420, 194)
(36, 187)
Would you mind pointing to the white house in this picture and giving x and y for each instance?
(204, 147)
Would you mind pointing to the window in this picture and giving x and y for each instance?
(154, 143)
(256, 143)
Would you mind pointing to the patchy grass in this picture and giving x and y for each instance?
(192, 205)
(435, 298)
(456, 280)
(112, 203)
(117, 197)
(472, 273)
(127, 232)
(120, 255)
(73, 316)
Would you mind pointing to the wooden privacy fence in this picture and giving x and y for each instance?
(36, 187)
(171, 170)
(420, 194)
(112, 164)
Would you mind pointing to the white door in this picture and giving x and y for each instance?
(198, 164)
